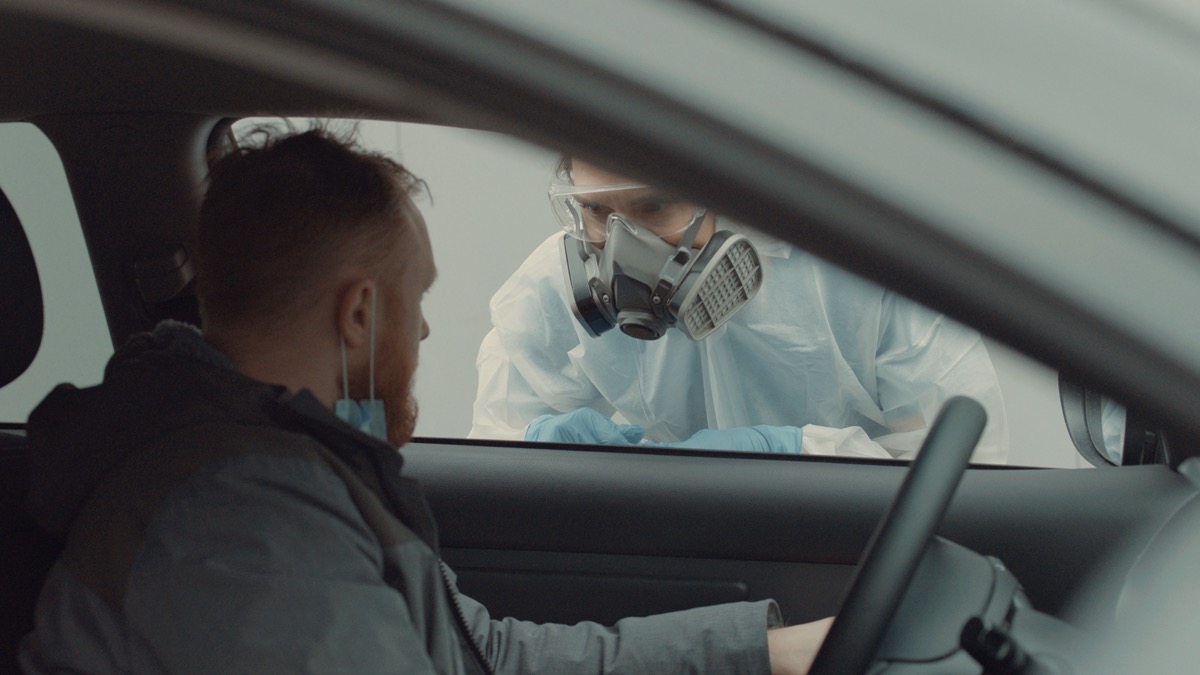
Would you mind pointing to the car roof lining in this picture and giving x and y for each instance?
(103, 73)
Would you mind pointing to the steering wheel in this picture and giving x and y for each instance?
(891, 558)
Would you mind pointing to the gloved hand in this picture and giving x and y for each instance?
(583, 426)
(758, 438)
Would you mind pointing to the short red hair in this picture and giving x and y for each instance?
(284, 211)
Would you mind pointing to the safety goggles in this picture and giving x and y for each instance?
(583, 210)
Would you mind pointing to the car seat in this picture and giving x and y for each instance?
(26, 551)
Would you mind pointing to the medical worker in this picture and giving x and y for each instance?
(651, 320)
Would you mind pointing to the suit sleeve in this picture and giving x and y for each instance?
(730, 638)
(266, 565)
(924, 359)
(527, 363)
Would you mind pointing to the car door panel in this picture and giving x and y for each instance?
(568, 534)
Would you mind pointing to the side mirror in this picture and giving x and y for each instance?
(1107, 433)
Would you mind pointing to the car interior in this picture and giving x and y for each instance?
(561, 533)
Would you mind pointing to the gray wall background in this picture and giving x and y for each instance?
(488, 211)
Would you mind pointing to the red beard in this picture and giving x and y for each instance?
(401, 412)
(394, 381)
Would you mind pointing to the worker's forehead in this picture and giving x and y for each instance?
(583, 174)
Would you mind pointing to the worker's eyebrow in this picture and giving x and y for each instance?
(643, 196)
(653, 196)
(590, 202)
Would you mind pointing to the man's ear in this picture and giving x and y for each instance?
(353, 312)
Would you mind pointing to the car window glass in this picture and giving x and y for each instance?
(75, 341)
(488, 212)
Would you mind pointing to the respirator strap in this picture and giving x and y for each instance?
(675, 269)
(588, 296)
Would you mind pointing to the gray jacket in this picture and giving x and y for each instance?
(217, 524)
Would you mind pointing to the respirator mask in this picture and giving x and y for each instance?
(621, 271)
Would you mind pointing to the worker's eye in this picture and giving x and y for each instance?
(663, 214)
(596, 211)
(651, 208)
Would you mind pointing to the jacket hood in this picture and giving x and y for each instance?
(172, 379)
(158, 382)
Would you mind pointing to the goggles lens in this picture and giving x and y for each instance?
(583, 210)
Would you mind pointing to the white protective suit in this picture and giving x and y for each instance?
(861, 369)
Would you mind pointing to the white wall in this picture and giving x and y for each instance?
(488, 211)
(1037, 432)
(75, 345)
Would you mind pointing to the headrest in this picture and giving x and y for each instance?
(21, 316)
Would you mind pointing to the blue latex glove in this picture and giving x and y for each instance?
(758, 438)
(583, 426)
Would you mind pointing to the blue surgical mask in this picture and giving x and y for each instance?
(366, 416)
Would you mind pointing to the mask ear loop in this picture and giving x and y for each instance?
(374, 294)
(345, 368)
(345, 372)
